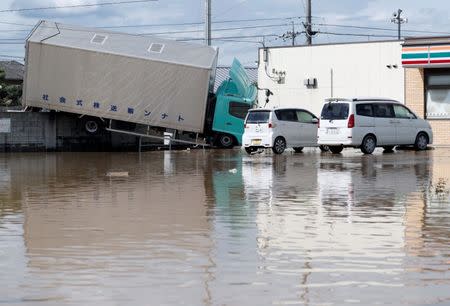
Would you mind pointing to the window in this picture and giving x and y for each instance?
(156, 48)
(437, 88)
(238, 109)
(383, 110)
(304, 116)
(286, 115)
(364, 110)
(335, 111)
(402, 112)
(258, 117)
(98, 39)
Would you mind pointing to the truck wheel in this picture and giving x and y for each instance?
(226, 141)
(91, 126)
(279, 145)
(336, 149)
(368, 144)
(298, 149)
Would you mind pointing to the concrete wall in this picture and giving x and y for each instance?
(359, 69)
(58, 131)
(29, 132)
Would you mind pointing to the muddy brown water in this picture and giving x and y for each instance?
(223, 228)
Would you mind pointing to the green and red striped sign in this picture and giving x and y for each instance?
(420, 56)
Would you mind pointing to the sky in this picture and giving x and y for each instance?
(239, 27)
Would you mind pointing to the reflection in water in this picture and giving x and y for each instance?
(221, 227)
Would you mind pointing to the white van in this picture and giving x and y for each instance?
(279, 129)
(371, 123)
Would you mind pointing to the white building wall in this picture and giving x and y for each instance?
(359, 70)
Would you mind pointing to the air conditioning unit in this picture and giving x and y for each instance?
(310, 82)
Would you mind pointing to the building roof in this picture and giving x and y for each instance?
(335, 44)
(426, 40)
(130, 45)
(13, 70)
(223, 74)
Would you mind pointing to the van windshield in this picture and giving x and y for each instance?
(258, 117)
(334, 111)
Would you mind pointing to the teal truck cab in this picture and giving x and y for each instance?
(228, 107)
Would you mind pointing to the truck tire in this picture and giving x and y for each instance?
(91, 126)
(225, 141)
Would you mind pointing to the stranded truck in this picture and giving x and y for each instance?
(163, 84)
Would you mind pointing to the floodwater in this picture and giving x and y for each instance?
(223, 228)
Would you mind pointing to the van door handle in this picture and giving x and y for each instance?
(228, 123)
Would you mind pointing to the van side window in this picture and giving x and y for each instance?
(304, 117)
(238, 109)
(383, 110)
(286, 115)
(364, 110)
(403, 113)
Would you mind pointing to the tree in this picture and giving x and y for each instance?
(10, 95)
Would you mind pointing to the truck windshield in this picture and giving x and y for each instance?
(334, 111)
(258, 117)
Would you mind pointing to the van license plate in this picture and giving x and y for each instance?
(256, 142)
(332, 131)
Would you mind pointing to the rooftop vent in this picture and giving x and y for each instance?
(156, 48)
(99, 39)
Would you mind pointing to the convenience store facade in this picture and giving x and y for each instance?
(427, 82)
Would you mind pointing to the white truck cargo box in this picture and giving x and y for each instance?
(112, 75)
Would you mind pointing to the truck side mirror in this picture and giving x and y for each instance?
(314, 120)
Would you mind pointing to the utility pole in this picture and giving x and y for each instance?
(397, 18)
(208, 22)
(308, 23)
(291, 34)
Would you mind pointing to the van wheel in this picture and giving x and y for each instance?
(324, 148)
(250, 150)
(298, 149)
(225, 141)
(336, 149)
(279, 145)
(368, 144)
(421, 142)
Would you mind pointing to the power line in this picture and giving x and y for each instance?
(377, 28)
(17, 24)
(357, 34)
(218, 30)
(74, 6)
(195, 23)
(11, 56)
(229, 37)
(232, 7)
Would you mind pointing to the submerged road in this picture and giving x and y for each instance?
(220, 227)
